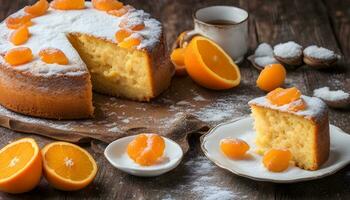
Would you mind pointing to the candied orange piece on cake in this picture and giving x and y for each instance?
(277, 160)
(38, 9)
(20, 35)
(107, 5)
(53, 55)
(120, 12)
(146, 149)
(14, 22)
(68, 4)
(234, 148)
(130, 42)
(21, 166)
(271, 77)
(282, 96)
(297, 105)
(122, 34)
(18, 56)
(134, 24)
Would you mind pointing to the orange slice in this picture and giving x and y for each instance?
(177, 57)
(20, 166)
(209, 66)
(67, 166)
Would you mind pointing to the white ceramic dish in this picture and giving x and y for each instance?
(253, 169)
(117, 156)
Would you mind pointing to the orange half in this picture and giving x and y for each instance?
(20, 166)
(67, 166)
(209, 65)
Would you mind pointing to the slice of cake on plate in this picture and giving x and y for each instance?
(288, 120)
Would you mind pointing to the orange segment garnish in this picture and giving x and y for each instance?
(18, 56)
(19, 36)
(17, 21)
(277, 160)
(20, 166)
(135, 24)
(52, 55)
(120, 12)
(130, 42)
(209, 65)
(67, 166)
(282, 96)
(234, 148)
(38, 9)
(107, 5)
(68, 4)
(122, 34)
(177, 57)
(271, 77)
(146, 149)
(297, 105)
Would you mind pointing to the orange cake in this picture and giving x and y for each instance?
(303, 131)
(120, 52)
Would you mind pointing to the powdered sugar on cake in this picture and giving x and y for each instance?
(288, 50)
(315, 108)
(51, 29)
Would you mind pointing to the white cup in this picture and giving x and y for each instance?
(233, 38)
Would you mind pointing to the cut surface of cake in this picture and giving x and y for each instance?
(304, 132)
(97, 62)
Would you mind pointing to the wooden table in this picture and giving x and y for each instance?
(322, 22)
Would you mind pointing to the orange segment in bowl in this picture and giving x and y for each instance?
(67, 166)
(209, 65)
(20, 166)
(146, 149)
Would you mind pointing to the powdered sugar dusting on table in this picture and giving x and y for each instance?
(288, 50)
(329, 95)
(51, 29)
(315, 109)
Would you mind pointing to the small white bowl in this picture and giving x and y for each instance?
(117, 156)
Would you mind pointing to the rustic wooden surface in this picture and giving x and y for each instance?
(326, 23)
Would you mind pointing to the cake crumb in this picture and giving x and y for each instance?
(288, 50)
(329, 95)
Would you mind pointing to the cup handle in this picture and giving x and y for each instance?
(184, 38)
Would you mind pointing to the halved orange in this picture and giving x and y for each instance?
(209, 65)
(67, 166)
(20, 166)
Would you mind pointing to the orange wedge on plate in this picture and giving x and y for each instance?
(67, 166)
(209, 65)
(20, 166)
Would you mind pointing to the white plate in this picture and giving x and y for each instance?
(253, 168)
(117, 156)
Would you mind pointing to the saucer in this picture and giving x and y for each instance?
(116, 154)
(253, 168)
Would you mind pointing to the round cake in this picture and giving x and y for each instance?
(119, 52)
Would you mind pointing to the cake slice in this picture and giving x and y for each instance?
(305, 132)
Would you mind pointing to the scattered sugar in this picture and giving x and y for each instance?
(328, 95)
(264, 49)
(126, 121)
(319, 53)
(199, 98)
(265, 60)
(204, 184)
(183, 103)
(288, 50)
